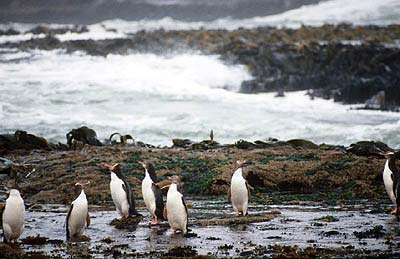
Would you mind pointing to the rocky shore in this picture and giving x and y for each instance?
(351, 64)
(294, 169)
(337, 190)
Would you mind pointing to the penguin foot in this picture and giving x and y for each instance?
(154, 221)
(394, 211)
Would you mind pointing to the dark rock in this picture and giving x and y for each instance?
(302, 143)
(183, 143)
(9, 32)
(243, 144)
(83, 134)
(123, 139)
(37, 240)
(22, 140)
(375, 232)
(129, 223)
(368, 148)
(181, 252)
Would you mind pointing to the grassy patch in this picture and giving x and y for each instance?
(196, 172)
(292, 158)
(332, 167)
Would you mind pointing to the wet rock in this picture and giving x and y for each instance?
(327, 218)
(41, 29)
(331, 233)
(22, 140)
(243, 144)
(108, 240)
(123, 139)
(84, 135)
(129, 223)
(9, 32)
(368, 148)
(375, 232)
(182, 143)
(37, 240)
(186, 251)
(238, 220)
(302, 143)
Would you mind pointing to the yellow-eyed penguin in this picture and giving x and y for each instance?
(176, 208)
(152, 194)
(78, 214)
(13, 214)
(391, 179)
(121, 193)
(238, 192)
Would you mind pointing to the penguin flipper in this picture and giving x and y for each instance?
(159, 201)
(131, 200)
(229, 195)
(249, 188)
(187, 214)
(87, 219)
(67, 220)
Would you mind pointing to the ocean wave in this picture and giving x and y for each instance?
(157, 98)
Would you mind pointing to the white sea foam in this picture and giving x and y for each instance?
(157, 98)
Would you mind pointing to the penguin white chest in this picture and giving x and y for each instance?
(77, 218)
(239, 193)
(148, 195)
(388, 181)
(13, 216)
(119, 195)
(177, 215)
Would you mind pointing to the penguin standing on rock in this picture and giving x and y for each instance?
(121, 192)
(239, 191)
(176, 208)
(78, 214)
(391, 179)
(152, 194)
(13, 214)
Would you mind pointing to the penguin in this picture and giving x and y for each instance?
(176, 208)
(152, 194)
(239, 192)
(391, 179)
(13, 215)
(78, 215)
(121, 192)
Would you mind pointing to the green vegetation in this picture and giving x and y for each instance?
(293, 158)
(196, 172)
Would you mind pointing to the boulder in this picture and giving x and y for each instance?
(302, 143)
(22, 140)
(83, 134)
(368, 148)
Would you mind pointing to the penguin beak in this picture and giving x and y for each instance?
(166, 186)
(142, 164)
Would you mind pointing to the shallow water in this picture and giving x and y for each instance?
(296, 225)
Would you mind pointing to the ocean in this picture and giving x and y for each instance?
(183, 94)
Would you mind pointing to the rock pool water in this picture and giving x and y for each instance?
(314, 225)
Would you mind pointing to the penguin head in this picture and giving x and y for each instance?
(150, 169)
(79, 186)
(12, 185)
(115, 168)
(240, 163)
(174, 179)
